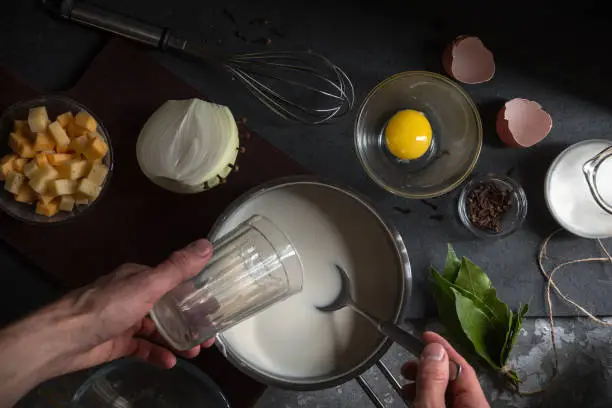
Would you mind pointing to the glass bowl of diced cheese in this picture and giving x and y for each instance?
(56, 160)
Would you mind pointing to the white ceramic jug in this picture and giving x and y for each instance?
(578, 188)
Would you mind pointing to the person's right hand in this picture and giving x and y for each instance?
(431, 388)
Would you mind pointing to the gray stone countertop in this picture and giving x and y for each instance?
(371, 41)
(584, 380)
(546, 53)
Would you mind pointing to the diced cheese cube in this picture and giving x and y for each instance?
(64, 119)
(38, 184)
(62, 149)
(73, 170)
(19, 163)
(62, 187)
(85, 120)
(94, 135)
(41, 159)
(75, 130)
(30, 169)
(5, 169)
(88, 188)
(16, 140)
(26, 194)
(46, 198)
(8, 158)
(67, 203)
(22, 127)
(49, 209)
(46, 172)
(59, 134)
(55, 159)
(14, 181)
(43, 141)
(21, 145)
(38, 119)
(79, 144)
(96, 149)
(7, 164)
(98, 173)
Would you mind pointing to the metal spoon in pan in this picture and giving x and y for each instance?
(408, 341)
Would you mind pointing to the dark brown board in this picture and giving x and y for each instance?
(136, 221)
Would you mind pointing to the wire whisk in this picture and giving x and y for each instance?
(299, 86)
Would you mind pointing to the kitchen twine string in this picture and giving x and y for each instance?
(550, 284)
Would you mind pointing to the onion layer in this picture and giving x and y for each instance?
(187, 142)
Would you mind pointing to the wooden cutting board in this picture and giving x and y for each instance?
(135, 220)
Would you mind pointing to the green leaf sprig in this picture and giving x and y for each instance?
(475, 318)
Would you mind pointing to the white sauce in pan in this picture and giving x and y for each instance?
(293, 339)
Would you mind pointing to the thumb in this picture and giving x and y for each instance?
(180, 266)
(432, 377)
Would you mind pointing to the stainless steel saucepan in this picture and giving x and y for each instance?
(389, 285)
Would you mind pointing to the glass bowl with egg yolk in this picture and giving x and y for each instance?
(418, 134)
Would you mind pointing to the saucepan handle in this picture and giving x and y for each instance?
(370, 392)
(590, 172)
(390, 379)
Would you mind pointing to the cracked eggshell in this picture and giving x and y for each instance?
(467, 60)
(522, 123)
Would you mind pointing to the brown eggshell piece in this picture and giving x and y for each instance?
(522, 123)
(468, 60)
(503, 130)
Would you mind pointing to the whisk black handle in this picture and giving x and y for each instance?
(118, 24)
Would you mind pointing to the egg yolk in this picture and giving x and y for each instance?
(408, 134)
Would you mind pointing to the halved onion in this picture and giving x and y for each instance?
(187, 142)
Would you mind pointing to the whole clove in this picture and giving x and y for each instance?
(486, 206)
(262, 40)
(403, 210)
(229, 15)
(430, 205)
(277, 32)
(240, 36)
(259, 21)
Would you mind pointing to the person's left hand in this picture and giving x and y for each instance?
(109, 317)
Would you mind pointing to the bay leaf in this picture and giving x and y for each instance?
(485, 299)
(474, 316)
(445, 302)
(477, 325)
(508, 341)
(516, 328)
(472, 278)
(501, 322)
(489, 303)
(452, 266)
(475, 284)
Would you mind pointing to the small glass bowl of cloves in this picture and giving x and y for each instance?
(492, 206)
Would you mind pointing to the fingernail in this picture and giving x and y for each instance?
(433, 351)
(201, 247)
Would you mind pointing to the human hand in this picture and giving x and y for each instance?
(115, 309)
(431, 387)
(96, 324)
